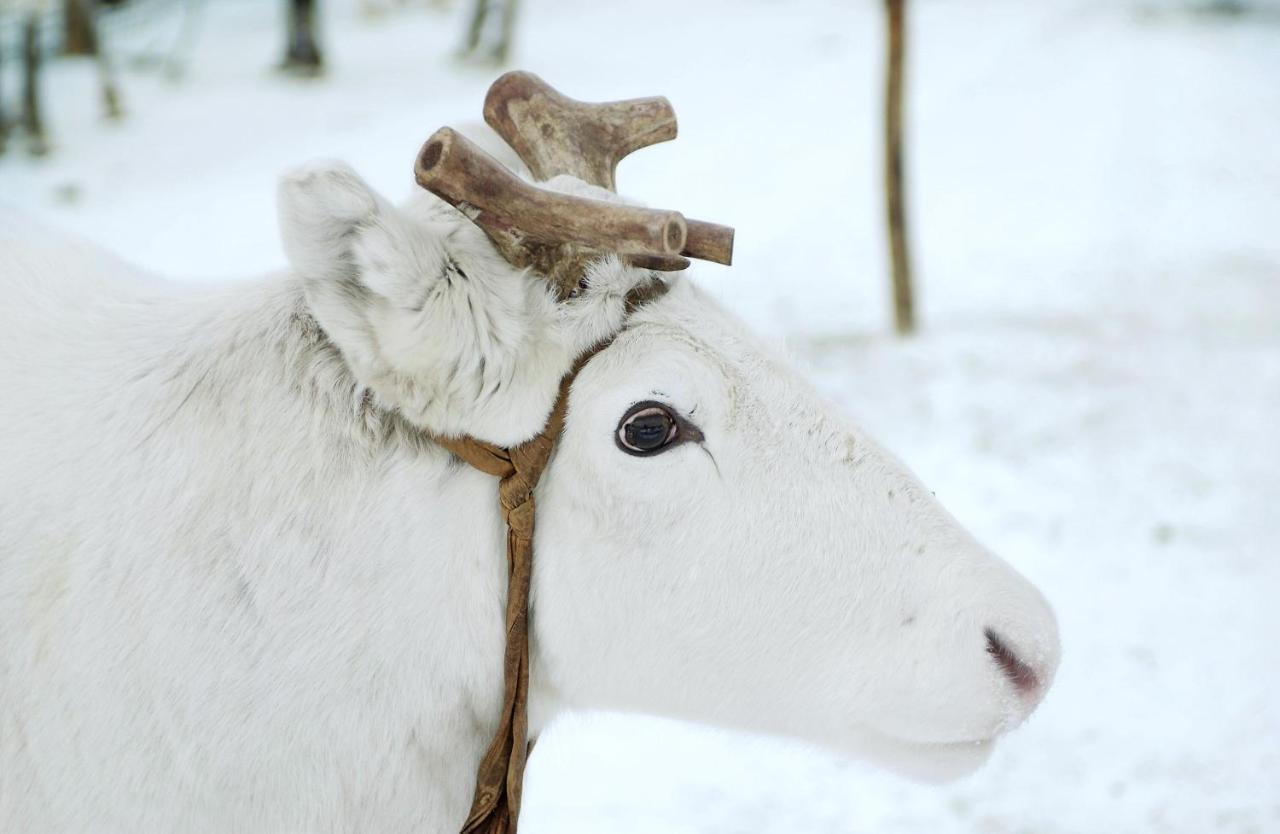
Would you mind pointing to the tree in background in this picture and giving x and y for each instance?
(499, 33)
(79, 35)
(302, 55)
(895, 197)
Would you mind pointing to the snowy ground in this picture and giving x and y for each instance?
(1096, 392)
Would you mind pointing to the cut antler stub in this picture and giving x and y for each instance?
(533, 227)
(556, 234)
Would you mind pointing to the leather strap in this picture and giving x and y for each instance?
(495, 807)
(496, 804)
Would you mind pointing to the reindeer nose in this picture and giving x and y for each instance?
(1024, 678)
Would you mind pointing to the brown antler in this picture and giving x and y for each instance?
(554, 134)
(557, 234)
(533, 227)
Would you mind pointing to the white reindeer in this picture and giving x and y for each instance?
(241, 591)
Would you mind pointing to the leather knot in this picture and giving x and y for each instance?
(520, 519)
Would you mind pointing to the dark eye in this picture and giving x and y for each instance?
(647, 428)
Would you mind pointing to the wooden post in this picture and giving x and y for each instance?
(79, 34)
(895, 199)
(4, 115)
(302, 53)
(32, 122)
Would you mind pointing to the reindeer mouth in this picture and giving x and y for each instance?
(923, 761)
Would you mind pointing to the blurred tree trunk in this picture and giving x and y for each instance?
(32, 122)
(4, 114)
(78, 34)
(302, 52)
(503, 49)
(481, 12)
(895, 198)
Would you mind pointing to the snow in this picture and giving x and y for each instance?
(1095, 393)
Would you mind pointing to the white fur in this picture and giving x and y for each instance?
(239, 592)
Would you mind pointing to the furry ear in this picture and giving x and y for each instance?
(322, 205)
(356, 252)
(413, 300)
(364, 265)
(427, 314)
(324, 208)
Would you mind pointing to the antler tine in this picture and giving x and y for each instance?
(532, 227)
(709, 242)
(554, 134)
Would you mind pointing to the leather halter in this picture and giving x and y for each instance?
(495, 808)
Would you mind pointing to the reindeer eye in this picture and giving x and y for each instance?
(646, 429)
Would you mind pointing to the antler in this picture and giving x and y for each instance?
(554, 134)
(533, 227)
(557, 234)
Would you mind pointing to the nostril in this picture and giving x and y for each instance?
(1022, 676)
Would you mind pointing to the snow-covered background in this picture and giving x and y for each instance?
(1095, 392)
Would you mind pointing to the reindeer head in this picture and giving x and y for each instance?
(714, 542)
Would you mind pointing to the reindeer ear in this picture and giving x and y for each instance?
(353, 251)
(368, 271)
(344, 238)
(322, 208)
